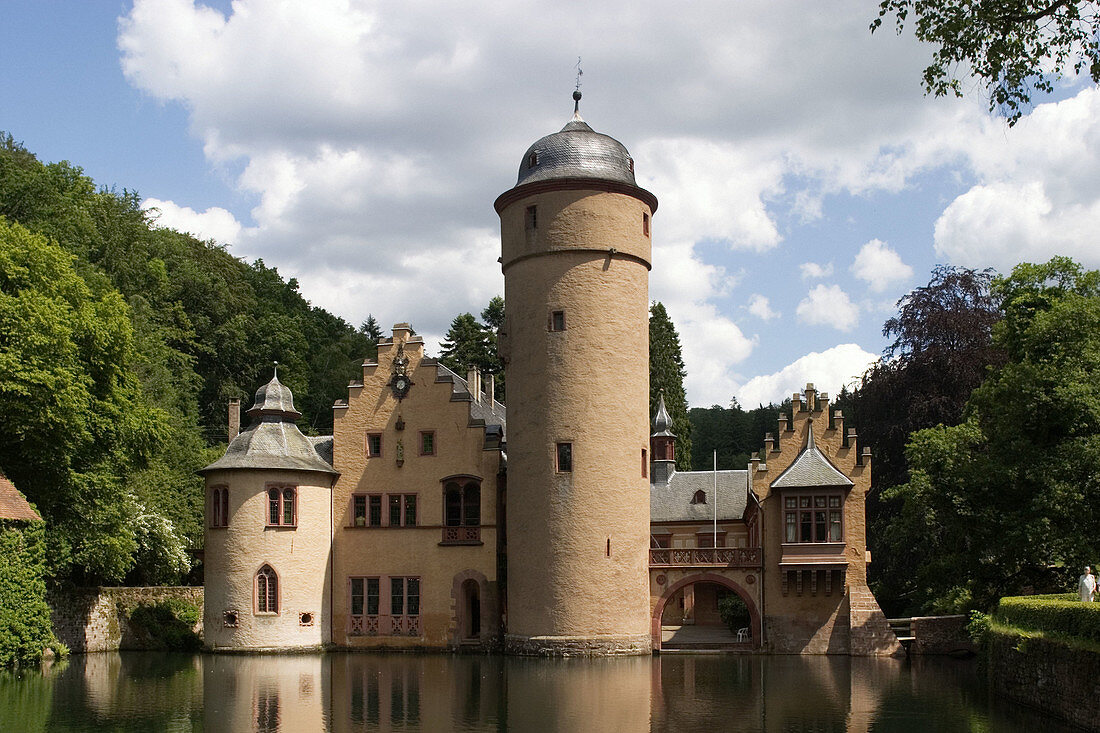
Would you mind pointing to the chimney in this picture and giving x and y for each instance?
(473, 384)
(234, 418)
(491, 390)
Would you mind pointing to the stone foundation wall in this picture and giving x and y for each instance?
(1046, 674)
(940, 635)
(95, 619)
(577, 646)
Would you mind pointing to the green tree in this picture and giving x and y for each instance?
(1003, 503)
(466, 346)
(493, 318)
(1014, 47)
(666, 373)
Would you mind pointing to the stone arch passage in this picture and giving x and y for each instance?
(658, 611)
(468, 594)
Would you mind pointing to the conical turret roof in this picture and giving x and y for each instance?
(662, 422)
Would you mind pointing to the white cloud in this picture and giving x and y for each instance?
(828, 370)
(1036, 194)
(828, 305)
(215, 223)
(761, 308)
(814, 271)
(880, 266)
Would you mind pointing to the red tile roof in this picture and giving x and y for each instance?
(13, 505)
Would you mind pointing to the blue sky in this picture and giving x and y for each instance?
(805, 182)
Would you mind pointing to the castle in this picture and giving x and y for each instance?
(436, 517)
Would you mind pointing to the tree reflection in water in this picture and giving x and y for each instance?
(144, 691)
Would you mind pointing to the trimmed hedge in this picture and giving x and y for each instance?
(1056, 614)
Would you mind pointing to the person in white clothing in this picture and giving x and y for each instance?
(1086, 585)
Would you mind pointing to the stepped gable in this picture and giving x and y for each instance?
(273, 440)
(484, 412)
(811, 468)
(671, 502)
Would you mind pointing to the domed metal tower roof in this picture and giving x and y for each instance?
(577, 151)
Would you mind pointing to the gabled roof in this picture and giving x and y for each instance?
(13, 505)
(671, 502)
(811, 468)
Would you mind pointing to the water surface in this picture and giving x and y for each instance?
(148, 691)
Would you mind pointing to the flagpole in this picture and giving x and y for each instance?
(715, 503)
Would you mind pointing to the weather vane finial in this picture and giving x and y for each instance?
(276, 363)
(577, 91)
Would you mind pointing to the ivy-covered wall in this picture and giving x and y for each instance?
(100, 619)
(24, 616)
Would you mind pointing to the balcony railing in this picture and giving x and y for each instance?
(461, 536)
(722, 557)
(813, 553)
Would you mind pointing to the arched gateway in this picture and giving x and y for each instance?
(673, 591)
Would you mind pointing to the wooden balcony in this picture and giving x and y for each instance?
(461, 536)
(707, 557)
(803, 554)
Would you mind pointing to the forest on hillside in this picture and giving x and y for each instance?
(121, 346)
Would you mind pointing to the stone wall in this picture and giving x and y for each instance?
(1046, 674)
(940, 635)
(95, 619)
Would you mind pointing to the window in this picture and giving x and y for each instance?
(645, 464)
(427, 443)
(219, 507)
(533, 159)
(282, 507)
(557, 320)
(462, 504)
(565, 457)
(230, 619)
(706, 539)
(402, 510)
(374, 445)
(813, 518)
(645, 224)
(305, 618)
(364, 596)
(660, 541)
(366, 510)
(700, 497)
(531, 218)
(267, 590)
(404, 596)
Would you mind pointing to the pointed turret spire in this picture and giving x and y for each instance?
(662, 423)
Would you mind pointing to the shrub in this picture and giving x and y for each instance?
(1054, 614)
(733, 612)
(168, 624)
(25, 629)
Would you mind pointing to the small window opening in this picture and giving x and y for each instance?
(230, 619)
(645, 224)
(700, 497)
(531, 219)
(557, 321)
(374, 445)
(533, 159)
(645, 464)
(565, 457)
(631, 162)
(427, 443)
(609, 547)
(305, 618)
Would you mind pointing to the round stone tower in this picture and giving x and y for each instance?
(575, 251)
(268, 533)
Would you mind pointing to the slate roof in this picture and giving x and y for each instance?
(577, 151)
(811, 468)
(671, 502)
(489, 414)
(273, 441)
(13, 505)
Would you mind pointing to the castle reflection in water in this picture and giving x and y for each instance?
(418, 692)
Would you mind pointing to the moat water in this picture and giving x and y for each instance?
(146, 691)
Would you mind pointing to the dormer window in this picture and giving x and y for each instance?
(700, 497)
(533, 159)
(631, 162)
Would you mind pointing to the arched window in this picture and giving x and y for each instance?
(462, 504)
(700, 497)
(282, 506)
(219, 507)
(267, 590)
